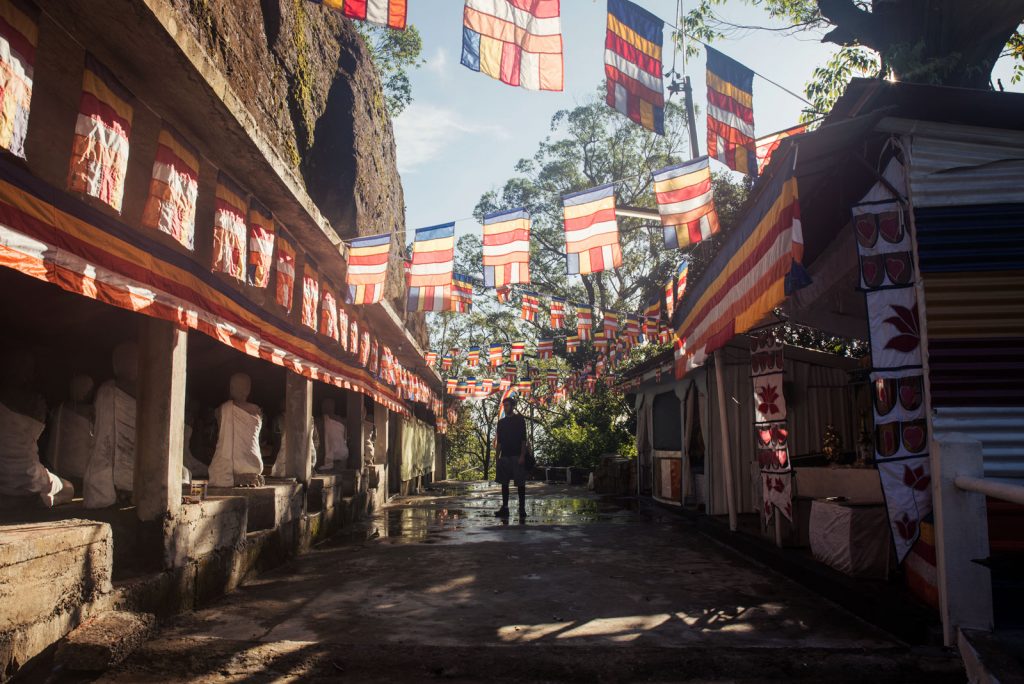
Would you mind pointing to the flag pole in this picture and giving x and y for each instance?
(691, 120)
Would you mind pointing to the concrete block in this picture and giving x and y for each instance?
(350, 481)
(269, 506)
(324, 493)
(103, 641)
(208, 526)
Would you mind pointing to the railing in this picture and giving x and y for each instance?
(995, 489)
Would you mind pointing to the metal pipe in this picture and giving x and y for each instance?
(723, 419)
(993, 488)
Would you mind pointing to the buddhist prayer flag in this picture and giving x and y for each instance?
(495, 354)
(685, 203)
(99, 155)
(572, 343)
(429, 298)
(389, 13)
(504, 294)
(19, 35)
(557, 313)
(473, 357)
(591, 231)
(173, 188)
(518, 350)
(328, 313)
(450, 385)
(261, 245)
(310, 297)
(731, 113)
(682, 270)
(545, 347)
(610, 325)
(768, 144)
(367, 268)
(601, 341)
(632, 64)
(518, 42)
(652, 317)
(229, 231)
(632, 328)
(525, 388)
(584, 321)
(531, 305)
(433, 256)
(670, 299)
(446, 361)
(430, 358)
(285, 266)
(506, 248)
(461, 299)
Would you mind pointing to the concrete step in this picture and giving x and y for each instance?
(105, 640)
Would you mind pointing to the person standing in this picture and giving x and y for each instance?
(511, 464)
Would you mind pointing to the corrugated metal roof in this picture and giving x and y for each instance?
(1000, 429)
(958, 167)
(971, 237)
(978, 372)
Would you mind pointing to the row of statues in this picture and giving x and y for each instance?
(94, 443)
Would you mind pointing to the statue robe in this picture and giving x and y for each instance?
(237, 460)
(21, 473)
(112, 463)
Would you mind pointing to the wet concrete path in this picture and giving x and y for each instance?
(584, 590)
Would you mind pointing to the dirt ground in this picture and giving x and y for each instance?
(435, 587)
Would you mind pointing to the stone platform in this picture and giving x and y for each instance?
(269, 507)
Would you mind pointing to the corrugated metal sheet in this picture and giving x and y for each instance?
(971, 237)
(975, 305)
(951, 165)
(1000, 431)
(965, 372)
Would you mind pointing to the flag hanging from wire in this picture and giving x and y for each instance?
(506, 248)
(670, 298)
(518, 42)
(545, 347)
(572, 343)
(389, 13)
(473, 356)
(632, 64)
(681, 272)
(652, 316)
(685, 203)
(591, 231)
(518, 351)
(367, 268)
(461, 299)
(531, 306)
(731, 113)
(429, 298)
(610, 325)
(430, 358)
(557, 313)
(495, 354)
(767, 145)
(433, 256)
(584, 321)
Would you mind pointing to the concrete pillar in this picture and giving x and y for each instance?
(355, 411)
(298, 426)
(961, 536)
(160, 419)
(380, 445)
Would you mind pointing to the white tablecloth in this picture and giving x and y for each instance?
(852, 538)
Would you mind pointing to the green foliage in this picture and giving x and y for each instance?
(1015, 49)
(586, 427)
(394, 53)
(829, 80)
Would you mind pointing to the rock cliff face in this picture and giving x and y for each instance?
(308, 80)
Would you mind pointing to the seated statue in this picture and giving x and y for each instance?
(237, 461)
(22, 416)
(335, 441)
(70, 431)
(111, 467)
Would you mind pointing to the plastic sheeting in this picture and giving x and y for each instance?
(851, 537)
(418, 448)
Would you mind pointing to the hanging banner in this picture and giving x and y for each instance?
(771, 432)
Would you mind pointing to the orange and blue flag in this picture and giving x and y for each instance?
(632, 64)
(518, 42)
(506, 248)
(731, 113)
(767, 145)
(685, 203)
(367, 268)
(19, 35)
(591, 231)
(433, 256)
(389, 13)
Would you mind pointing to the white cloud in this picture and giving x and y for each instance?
(423, 130)
(438, 63)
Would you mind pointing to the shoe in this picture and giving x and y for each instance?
(501, 513)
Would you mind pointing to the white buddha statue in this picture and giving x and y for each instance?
(237, 461)
(111, 466)
(280, 468)
(335, 441)
(70, 431)
(22, 416)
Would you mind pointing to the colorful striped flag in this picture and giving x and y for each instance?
(19, 35)
(682, 270)
(632, 64)
(429, 298)
(531, 306)
(284, 285)
(572, 343)
(310, 296)
(450, 385)
(473, 356)
(767, 145)
(461, 299)
(610, 324)
(524, 388)
(99, 155)
(504, 294)
(518, 350)
(261, 244)
(496, 354)
(173, 187)
(670, 299)
(557, 313)
(367, 268)
(430, 358)
(632, 328)
(506, 248)
(584, 321)
(518, 42)
(731, 113)
(229, 230)
(446, 361)
(328, 313)
(545, 347)
(601, 341)
(552, 379)
(389, 13)
(433, 256)
(591, 231)
(652, 317)
(686, 203)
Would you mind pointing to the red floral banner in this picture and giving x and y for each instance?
(771, 431)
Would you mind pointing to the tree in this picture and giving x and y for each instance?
(941, 42)
(394, 53)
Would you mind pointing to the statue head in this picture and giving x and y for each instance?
(81, 388)
(239, 387)
(126, 362)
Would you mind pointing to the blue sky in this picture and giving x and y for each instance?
(464, 131)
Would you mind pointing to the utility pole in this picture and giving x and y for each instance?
(691, 120)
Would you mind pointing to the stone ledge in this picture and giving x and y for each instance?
(103, 641)
(269, 506)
